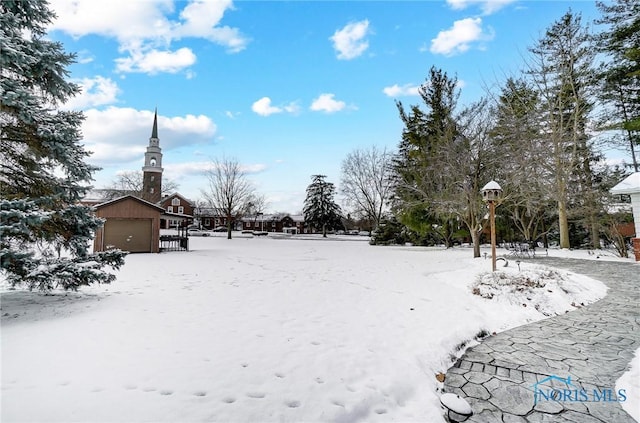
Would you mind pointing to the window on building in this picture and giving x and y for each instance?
(207, 222)
(170, 209)
(175, 202)
(151, 190)
(180, 209)
(153, 178)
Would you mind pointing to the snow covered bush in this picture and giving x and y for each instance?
(549, 291)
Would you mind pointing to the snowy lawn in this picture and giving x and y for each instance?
(263, 330)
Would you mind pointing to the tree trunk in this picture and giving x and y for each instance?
(595, 231)
(563, 223)
(324, 230)
(229, 228)
(475, 239)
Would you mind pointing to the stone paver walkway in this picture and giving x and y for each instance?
(504, 375)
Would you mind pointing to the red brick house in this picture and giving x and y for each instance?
(211, 218)
(178, 211)
(280, 222)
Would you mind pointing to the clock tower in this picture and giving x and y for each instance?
(152, 169)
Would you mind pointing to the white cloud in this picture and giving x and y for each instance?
(253, 168)
(97, 91)
(124, 20)
(84, 57)
(144, 28)
(200, 18)
(263, 107)
(459, 37)
(327, 103)
(201, 167)
(155, 61)
(399, 91)
(487, 6)
(120, 135)
(293, 108)
(177, 170)
(350, 41)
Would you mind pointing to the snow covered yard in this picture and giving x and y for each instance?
(261, 330)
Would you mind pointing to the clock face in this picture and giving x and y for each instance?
(152, 162)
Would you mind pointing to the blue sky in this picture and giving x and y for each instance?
(286, 88)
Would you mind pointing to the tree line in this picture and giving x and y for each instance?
(541, 134)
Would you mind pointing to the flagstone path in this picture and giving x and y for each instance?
(592, 346)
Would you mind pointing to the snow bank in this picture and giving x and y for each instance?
(630, 382)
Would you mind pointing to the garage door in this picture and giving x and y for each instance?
(133, 235)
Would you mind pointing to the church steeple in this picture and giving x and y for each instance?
(154, 131)
(152, 169)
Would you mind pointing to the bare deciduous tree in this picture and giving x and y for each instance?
(365, 182)
(256, 205)
(229, 190)
(463, 166)
(130, 182)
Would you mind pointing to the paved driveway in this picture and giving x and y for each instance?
(561, 369)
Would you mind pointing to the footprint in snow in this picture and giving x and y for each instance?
(256, 394)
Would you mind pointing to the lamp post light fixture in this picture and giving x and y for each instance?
(491, 194)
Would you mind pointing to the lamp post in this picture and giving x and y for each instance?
(491, 194)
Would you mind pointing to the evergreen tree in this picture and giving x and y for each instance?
(417, 173)
(561, 70)
(522, 156)
(320, 210)
(45, 233)
(620, 75)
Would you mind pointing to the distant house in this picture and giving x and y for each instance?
(131, 224)
(631, 186)
(178, 211)
(211, 218)
(278, 222)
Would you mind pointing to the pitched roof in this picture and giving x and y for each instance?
(272, 217)
(128, 197)
(176, 194)
(630, 185)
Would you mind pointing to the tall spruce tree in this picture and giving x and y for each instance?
(519, 145)
(320, 210)
(417, 175)
(620, 74)
(45, 233)
(561, 70)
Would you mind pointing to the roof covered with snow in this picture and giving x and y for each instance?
(630, 185)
